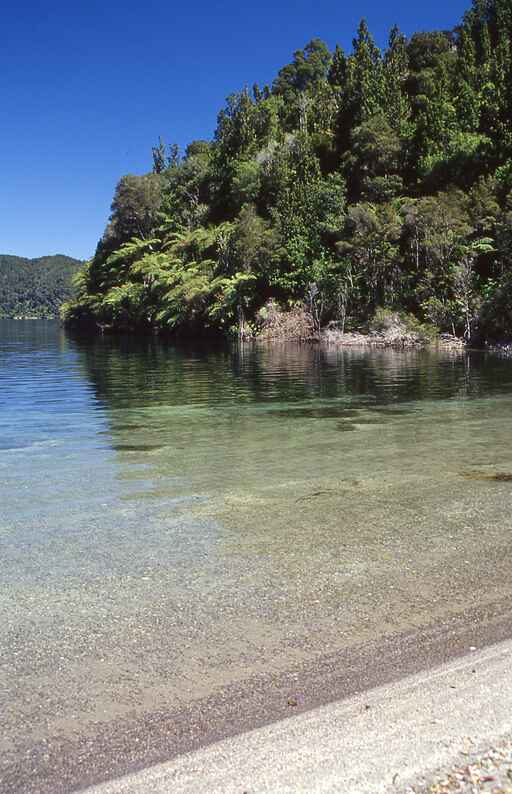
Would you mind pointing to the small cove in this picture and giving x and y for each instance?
(179, 521)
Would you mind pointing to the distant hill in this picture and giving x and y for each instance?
(35, 287)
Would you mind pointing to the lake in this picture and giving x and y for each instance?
(195, 540)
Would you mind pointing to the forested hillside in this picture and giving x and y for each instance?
(35, 287)
(356, 181)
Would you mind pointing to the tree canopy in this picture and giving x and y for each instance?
(355, 181)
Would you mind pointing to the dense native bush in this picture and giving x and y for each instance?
(356, 181)
(35, 287)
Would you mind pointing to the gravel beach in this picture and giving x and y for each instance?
(396, 738)
(490, 773)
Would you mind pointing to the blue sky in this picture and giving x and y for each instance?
(86, 88)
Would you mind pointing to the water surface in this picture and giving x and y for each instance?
(175, 521)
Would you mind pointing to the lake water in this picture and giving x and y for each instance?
(177, 522)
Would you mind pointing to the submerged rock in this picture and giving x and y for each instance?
(499, 476)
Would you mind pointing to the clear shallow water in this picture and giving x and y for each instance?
(173, 520)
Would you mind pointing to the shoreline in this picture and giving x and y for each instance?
(394, 339)
(393, 738)
(128, 746)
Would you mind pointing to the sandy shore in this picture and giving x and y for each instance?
(382, 741)
(265, 700)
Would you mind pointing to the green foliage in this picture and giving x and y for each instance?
(373, 162)
(385, 319)
(35, 287)
(359, 180)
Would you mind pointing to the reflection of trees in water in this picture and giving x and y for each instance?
(132, 372)
(383, 375)
(22, 336)
(218, 419)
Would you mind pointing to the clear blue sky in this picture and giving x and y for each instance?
(87, 86)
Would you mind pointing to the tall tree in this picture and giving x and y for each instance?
(396, 69)
(467, 99)
(362, 94)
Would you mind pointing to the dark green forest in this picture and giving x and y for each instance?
(35, 287)
(357, 182)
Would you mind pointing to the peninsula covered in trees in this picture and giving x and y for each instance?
(355, 183)
(35, 287)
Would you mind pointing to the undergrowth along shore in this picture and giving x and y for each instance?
(386, 329)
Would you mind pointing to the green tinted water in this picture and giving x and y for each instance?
(174, 520)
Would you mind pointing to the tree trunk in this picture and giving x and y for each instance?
(241, 320)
